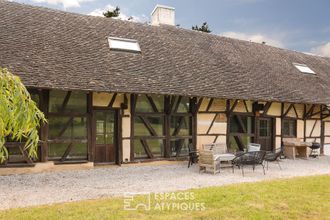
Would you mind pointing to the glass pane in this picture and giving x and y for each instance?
(78, 151)
(157, 147)
(105, 127)
(263, 128)
(180, 126)
(289, 128)
(77, 101)
(233, 146)
(100, 139)
(144, 105)
(100, 127)
(76, 128)
(247, 121)
(184, 105)
(57, 150)
(139, 151)
(156, 122)
(180, 147)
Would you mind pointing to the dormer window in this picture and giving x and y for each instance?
(304, 68)
(123, 44)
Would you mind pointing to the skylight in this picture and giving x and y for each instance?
(124, 44)
(303, 68)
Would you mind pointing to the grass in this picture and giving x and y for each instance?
(298, 198)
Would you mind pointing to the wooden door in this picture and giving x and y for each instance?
(105, 149)
(265, 133)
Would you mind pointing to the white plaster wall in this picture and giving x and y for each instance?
(300, 129)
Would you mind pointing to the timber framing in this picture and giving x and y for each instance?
(314, 118)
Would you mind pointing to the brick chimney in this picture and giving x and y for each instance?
(163, 15)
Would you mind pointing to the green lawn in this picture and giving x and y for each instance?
(299, 198)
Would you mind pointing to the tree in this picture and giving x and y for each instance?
(20, 117)
(203, 28)
(112, 13)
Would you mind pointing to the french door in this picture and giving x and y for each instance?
(105, 136)
(265, 133)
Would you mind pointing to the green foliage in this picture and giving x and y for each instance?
(20, 116)
(203, 28)
(112, 13)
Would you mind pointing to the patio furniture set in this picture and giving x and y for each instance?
(213, 157)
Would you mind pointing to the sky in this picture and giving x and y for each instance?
(301, 25)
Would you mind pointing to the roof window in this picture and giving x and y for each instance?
(303, 68)
(123, 44)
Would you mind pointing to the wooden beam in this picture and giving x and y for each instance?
(65, 101)
(67, 152)
(152, 103)
(266, 108)
(66, 125)
(200, 101)
(241, 124)
(233, 107)
(287, 111)
(245, 105)
(148, 126)
(178, 128)
(209, 104)
(311, 134)
(309, 112)
(295, 111)
(25, 155)
(211, 125)
(112, 101)
(146, 148)
(239, 143)
(177, 104)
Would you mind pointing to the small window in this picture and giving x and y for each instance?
(289, 128)
(303, 68)
(124, 44)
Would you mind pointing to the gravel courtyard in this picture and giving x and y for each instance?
(54, 187)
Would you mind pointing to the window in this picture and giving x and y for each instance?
(303, 68)
(289, 128)
(124, 44)
(160, 133)
(67, 123)
(241, 131)
(149, 122)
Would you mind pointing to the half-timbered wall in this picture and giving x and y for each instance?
(185, 121)
(216, 117)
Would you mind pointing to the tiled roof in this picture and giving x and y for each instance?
(54, 49)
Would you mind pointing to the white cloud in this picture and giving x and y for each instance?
(323, 50)
(65, 3)
(122, 16)
(257, 38)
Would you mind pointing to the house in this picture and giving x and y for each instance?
(119, 92)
